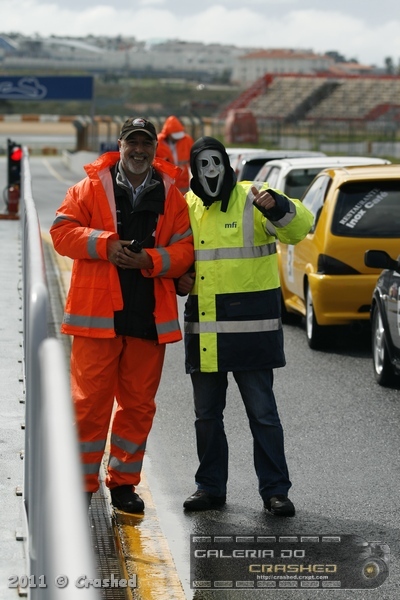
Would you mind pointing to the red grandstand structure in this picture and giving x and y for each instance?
(333, 112)
(323, 97)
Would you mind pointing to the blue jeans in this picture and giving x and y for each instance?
(255, 387)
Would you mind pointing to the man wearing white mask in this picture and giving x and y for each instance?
(233, 321)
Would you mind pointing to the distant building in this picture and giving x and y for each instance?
(161, 58)
(188, 58)
(121, 56)
(250, 67)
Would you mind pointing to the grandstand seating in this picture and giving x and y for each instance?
(287, 98)
(283, 95)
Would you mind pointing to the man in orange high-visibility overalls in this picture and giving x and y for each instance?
(121, 307)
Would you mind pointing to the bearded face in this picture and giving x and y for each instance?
(211, 171)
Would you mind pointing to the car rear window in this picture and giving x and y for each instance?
(298, 180)
(368, 209)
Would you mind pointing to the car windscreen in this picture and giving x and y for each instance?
(368, 209)
(298, 180)
(251, 168)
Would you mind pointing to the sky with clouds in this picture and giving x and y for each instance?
(366, 31)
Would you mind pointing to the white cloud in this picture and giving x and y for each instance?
(152, 2)
(316, 29)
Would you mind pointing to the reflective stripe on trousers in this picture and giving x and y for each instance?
(128, 370)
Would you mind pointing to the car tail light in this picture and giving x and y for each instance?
(327, 265)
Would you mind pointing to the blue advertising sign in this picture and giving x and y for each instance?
(46, 88)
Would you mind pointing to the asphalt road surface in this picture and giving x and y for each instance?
(342, 445)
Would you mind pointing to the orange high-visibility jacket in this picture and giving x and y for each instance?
(183, 147)
(86, 220)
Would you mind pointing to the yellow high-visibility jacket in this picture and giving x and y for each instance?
(233, 313)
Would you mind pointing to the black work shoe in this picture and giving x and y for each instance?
(280, 506)
(88, 496)
(202, 500)
(124, 498)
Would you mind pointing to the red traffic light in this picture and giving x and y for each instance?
(16, 153)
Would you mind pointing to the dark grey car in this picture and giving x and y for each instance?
(385, 317)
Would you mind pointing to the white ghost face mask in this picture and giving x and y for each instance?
(211, 171)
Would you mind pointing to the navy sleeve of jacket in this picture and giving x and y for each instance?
(282, 206)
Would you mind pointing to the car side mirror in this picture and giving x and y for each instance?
(379, 259)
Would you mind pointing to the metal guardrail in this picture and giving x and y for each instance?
(63, 546)
(35, 313)
(58, 534)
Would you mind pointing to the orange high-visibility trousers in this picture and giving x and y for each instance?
(128, 370)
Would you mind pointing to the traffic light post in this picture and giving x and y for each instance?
(12, 191)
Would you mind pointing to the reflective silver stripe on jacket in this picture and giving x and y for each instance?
(123, 467)
(286, 219)
(126, 445)
(165, 260)
(233, 326)
(180, 236)
(248, 218)
(92, 241)
(165, 257)
(270, 229)
(167, 327)
(107, 182)
(87, 321)
(235, 253)
(61, 218)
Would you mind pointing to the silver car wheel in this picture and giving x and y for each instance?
(309, 314)
(315, 333)
(379, 349)
(383, 368)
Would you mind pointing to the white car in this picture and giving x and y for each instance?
(249, 164)
(292, 176)
(236, 154)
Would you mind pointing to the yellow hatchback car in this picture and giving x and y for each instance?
(324, 277)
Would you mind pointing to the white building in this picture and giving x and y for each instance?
(123, 55)
(250, 67)
(162, 58)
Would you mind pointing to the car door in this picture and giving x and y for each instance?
(296, 259)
